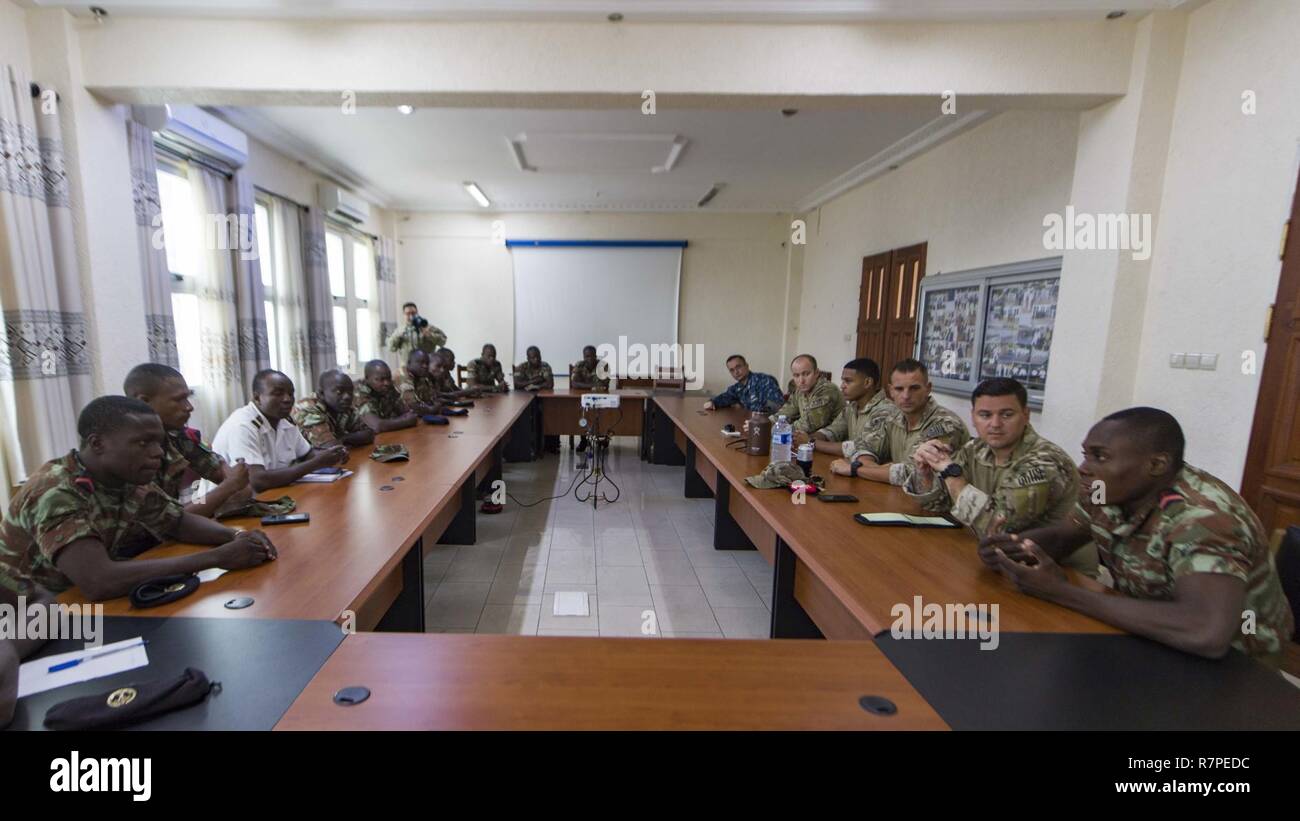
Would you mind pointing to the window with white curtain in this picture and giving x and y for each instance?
(351, 260)
(183, 240)
(266, 240)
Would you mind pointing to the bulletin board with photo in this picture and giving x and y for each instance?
(981, 323)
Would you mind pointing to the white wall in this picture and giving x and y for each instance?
(14, 49)
(1228, 189)
(976, 200)
(279, 174)
(733, 290)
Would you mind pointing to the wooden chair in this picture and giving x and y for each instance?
(673, 379)
(460, 375)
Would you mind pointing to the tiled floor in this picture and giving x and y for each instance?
(647, 561)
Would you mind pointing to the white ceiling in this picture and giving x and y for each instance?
(776, 11)
(619, 160)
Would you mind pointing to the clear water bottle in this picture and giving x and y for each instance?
(782, 439)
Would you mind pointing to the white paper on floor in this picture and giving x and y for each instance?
(571, 604)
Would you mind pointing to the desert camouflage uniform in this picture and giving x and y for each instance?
(893, 443)
(428, 339)
(1197, 525)
(814, 410)
(320, 426)
(852, 425)
(61, 504)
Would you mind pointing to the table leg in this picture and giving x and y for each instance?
(523, 444)
(727, 534)
(463, 528)
(696, 487)
(663, 449)
(407, 613)
(789, 619)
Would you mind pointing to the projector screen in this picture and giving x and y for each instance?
(571, 295)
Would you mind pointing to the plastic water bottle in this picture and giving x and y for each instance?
(782, 438)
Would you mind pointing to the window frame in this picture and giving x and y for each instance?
(349, 302)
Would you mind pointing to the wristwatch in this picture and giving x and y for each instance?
(952, 471)
(853, 467)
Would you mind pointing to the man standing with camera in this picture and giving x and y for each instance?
(417, 333)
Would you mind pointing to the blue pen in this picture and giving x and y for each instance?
(68, 665)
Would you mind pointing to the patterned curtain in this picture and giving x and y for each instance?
(220, 388)
(320, 302)
(45, 370)
(290, 294)
(250, 299)
(386, 274)
(159, 325)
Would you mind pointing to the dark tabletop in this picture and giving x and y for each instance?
(262, 665)
(1067, 681)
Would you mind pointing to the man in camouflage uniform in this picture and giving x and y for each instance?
(185, 455)
(885, 454)
(1009, 479)
(533, 374)
(417, 334)
(756, 392)
(486, 372)
(815, 402)
(77, 517)
(446, 380)
(866, 408)
(416, 384)
(585, 374)
(328, 418)
(1185, 551)
(379, 403)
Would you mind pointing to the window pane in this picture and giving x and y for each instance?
(181, 236)
(341, 346)
(272, 336)
(334, 257)
(363, 269)
(365, 336)
(185, 311)
(264, 246)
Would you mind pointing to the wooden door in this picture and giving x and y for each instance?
(872, 294)
(1272, 479)
(887, 304)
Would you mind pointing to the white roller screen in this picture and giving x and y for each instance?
(570, 296)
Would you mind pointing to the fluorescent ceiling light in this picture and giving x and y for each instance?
(477, 194)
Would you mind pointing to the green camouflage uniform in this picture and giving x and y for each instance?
(814, 410)
(429, 339)
(852, 425)
(446, 383)
(525, 373)
(320, 426)
(479, 375)
(893, 443)
(61, 504)
(384, 405)
(185, 453)
(421, 390)
(580, 373)
(1197, 525)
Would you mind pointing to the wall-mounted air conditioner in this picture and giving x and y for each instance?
(193, 130)
(342, 203)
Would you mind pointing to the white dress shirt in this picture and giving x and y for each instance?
(250, 436)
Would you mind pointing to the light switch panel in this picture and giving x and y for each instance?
(1177, 360)
(1209, 361)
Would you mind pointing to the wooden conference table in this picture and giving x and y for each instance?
(835, 577)
(361, 553)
